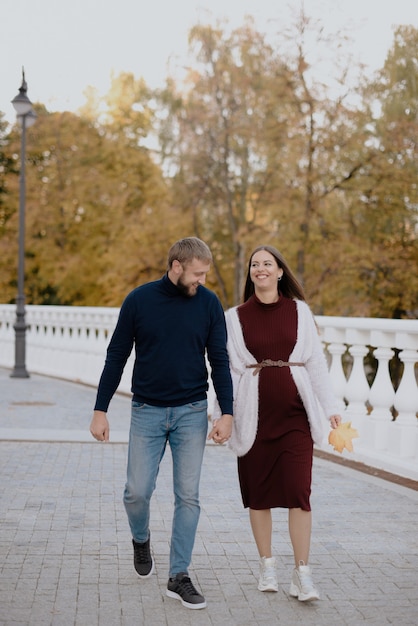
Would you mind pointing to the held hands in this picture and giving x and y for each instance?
(222, 429)
(99, 426)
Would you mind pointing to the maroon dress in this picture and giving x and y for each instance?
(277, 470)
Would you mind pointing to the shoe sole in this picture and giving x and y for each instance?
(149, 573)
(188, 605)
(270, 587)
(302, 597)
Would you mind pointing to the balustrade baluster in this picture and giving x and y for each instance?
(382, 395)
(357, 393)
(405, 439)
(339, 381)
(357, 389)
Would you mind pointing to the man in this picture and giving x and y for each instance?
(172, 322)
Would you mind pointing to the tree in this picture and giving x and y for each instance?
(259, 153)
(7, 168)
(96, 203)
(218, 138)
(384, 216)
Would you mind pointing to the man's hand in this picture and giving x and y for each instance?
(222, 429)
(99, 426)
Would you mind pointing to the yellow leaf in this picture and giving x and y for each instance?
(341, 437)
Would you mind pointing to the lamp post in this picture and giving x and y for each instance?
(26, 118)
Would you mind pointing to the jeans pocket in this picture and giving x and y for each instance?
(199, 405)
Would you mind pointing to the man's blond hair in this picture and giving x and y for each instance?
(187, 249)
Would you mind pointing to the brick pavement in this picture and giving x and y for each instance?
(65, 551)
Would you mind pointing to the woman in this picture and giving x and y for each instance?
(281, 389)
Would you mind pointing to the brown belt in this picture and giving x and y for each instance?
(269, 363)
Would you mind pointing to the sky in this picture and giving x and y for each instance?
(67, 45)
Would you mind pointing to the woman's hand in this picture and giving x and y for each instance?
(335, 420)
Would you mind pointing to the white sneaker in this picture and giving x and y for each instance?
(302, 586)
(268, 577)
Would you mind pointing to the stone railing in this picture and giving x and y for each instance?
(71, 342)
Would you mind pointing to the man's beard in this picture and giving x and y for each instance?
(187, 290)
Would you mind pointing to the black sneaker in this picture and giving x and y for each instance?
(181, 588)
(143, 561)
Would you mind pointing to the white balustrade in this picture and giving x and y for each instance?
(71, 342)
(384, 442)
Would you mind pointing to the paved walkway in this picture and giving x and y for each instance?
(65, 551)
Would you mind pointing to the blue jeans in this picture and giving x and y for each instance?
(185, 429)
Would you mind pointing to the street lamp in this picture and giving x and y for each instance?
(26, 118)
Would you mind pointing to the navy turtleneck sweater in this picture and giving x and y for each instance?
(170, 332)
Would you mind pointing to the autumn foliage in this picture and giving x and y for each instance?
(249, 148)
